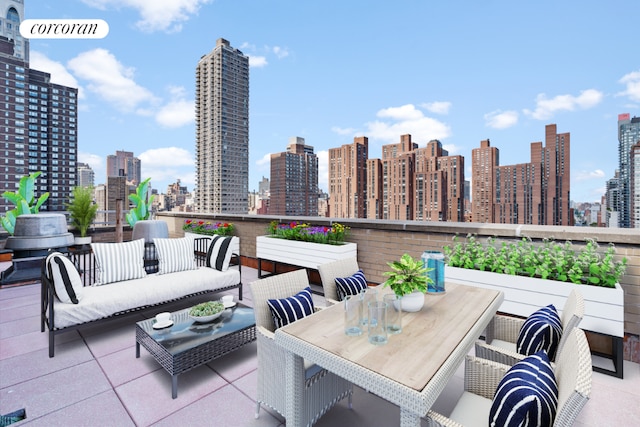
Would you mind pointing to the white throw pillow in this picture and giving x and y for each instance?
(175, 255)
(67, 283)
(119, 261)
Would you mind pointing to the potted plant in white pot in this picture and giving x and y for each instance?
(82, 212)
(408, 280)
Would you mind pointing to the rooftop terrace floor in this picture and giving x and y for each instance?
(96, 380)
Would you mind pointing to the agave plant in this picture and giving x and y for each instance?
(24, 200)
(142, 201)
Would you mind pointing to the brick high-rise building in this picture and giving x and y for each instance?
(529, 193)
(123, 163)
(222, 131)
(628, 136)
(294, 180)
(40, 119)
(86, 176)
(374, 189)
(347, 179)
(398, 165)
(439, 184)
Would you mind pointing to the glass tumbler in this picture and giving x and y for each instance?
(378, 323)
(394, 313)
(352, 315)
(367, 295)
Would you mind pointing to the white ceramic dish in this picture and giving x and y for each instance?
(205, 319)
(162, 325)
(229, 304)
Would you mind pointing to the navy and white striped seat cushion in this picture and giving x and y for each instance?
(288, 310)
(527, 395)
(174, 254)
(219, 253)
(67, 284)
(541, 331)
(119, 261)
(351, 285)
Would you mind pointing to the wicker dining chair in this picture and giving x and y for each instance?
(573, 377)
(330, 270)
(502, 333)
(323, 389)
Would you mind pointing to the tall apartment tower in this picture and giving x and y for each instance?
(294, 180)
(635, 185)
(397, 179)
(86, 176)
(528, 193)
(40, 119)
(612, 201)
(373, 189)
(347, 179)
(628, 136)
(439, 184)
(123, 163)
(484, 161)
(222, 131)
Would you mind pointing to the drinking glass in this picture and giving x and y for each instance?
(378, 323)
(352, 315)
(435, 261)
(367, 295)
(394, 313)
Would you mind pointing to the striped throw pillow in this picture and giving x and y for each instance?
(350, 285)
(219, 253)
(175, 254)
(527, 395)
(288, 310)
(67, 283)
(119, 261)
(541, 331)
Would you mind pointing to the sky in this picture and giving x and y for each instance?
(329, 71)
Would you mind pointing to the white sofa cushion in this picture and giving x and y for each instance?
(103, 301)
(119, 261)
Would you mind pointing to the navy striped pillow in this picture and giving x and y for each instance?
(219, 253)
(288, 310)
(351, 285)
(527, 395)
(541, 331)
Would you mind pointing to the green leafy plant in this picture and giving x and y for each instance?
(208, 228)
(550, 260)
(25, 201)
(82, 210)
(407, 275)
(208, 308)
(142, 201)
(335, 234)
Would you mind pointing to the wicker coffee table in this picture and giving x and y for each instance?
(186, 345)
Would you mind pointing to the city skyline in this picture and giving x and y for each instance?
(331, 72)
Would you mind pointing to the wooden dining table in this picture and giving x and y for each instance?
(411, 370)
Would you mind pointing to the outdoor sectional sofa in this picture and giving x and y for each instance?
(115, 279)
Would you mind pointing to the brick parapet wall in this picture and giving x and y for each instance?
(380, 241)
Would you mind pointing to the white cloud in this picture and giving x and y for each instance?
(156, 15)
(406, 120)
(280, 52)
(111, 80)
(632, 81)
(587, 175)
(168, 165)
(343, 131)
(257, 61)
(499, 119)
(323, 170)
(437, 107)
(545, 108)
(178, 111)
(59, 73)
(265, 160)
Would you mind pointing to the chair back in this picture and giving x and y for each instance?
(573, 375)
(274, 287)
(330, 270)
(572, 314)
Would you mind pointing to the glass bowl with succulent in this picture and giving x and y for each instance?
(206, 311)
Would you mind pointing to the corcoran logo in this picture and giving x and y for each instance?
(64, 29)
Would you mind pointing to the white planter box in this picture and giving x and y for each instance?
(303, 254)
(603, 307)
(235, 242)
